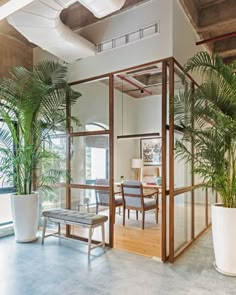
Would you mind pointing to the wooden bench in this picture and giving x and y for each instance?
(71, 217)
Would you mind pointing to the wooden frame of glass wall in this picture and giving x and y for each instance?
(168, 213)
(191, 189)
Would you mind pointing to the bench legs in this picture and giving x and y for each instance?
(91, 230)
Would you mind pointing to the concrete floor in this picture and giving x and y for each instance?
(62, 267)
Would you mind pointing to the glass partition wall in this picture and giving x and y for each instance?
(137, 155)
(116, 112)
(90, 151)
(189, 203)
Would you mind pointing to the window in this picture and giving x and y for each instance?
(96, 154)
(6, 188)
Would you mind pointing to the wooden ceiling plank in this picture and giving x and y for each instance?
(226, 48)
(192, 11)
(220, 12)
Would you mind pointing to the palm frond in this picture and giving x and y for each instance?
(208, 118)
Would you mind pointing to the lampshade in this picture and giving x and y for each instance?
(137, 163)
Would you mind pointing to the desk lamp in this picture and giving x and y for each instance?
(137, 164)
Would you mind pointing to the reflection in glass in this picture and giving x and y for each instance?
(90, 159)
(54, 198)
(200, 210)
(92, 106)
(57, 144)
(182, 220)
(182, 170)
(211, 201)
(84, 200)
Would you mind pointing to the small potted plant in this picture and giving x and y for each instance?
(208, 119)
(32, 108)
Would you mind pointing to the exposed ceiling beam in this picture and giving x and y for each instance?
(226, 49)
(215, 24)
(220, 14)
(134, 84)
(213, 39)
(207, 3)
(229, 60)
(77, 16)
(191, 9)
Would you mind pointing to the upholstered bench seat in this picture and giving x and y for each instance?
(75, 216)
(72, 217)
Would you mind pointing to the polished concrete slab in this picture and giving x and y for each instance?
(62, 267)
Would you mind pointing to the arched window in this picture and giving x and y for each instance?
(95, 126)
(96, 154)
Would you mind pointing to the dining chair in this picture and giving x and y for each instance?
(103, 198)
(134, 199)
(149, 174)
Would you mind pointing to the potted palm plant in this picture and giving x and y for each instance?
(208, 119)
(32, 108)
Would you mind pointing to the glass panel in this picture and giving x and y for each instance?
(56, 198)
(126, 149)
(6, 187)
(183, 178)
(5, 212)
(211, 201)
(182, 170)
(5, 182)
(137, 99)
(87, 200)
(167, 225)
(182, 220)
(92, 106)
(200, 210)
(57, 145)
(89, 158)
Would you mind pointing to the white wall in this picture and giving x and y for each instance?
(184, 37)
(152, 48)
(149, 114)
(177, 38)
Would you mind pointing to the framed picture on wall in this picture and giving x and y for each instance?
(151, 151)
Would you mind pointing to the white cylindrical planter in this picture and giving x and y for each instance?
(224, 239)
(25, 213)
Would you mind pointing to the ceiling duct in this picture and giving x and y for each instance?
(40, 23)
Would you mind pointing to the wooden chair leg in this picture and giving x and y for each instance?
(59, 228)
(90, 240)
(156, 213)
(119, 210)
(103, 235)
(157, 209)
(44, 229)
(136, 214)
(123, 215)
(143, 218)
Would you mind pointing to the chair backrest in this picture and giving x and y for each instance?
(149, 174)
(102, 196)
(132, 193)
